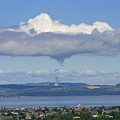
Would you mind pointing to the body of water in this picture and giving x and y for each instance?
(60, 101)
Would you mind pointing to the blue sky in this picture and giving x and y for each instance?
(13, 12)
(67, 11)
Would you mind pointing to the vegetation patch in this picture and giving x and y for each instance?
(92, 87)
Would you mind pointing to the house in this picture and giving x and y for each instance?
(78, 107)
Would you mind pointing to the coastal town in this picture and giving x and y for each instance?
(77, 112)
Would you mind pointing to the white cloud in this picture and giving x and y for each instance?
(90, 72)
(41, 72)
(89, 76)
(4, 71)
(43, 23)
(42, 36)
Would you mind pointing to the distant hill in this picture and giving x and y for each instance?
(59, 89)
(118, 84)
(38, 85)
(62, 84)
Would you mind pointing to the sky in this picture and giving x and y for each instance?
(73, 35)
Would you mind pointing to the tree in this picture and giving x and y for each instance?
(33, 117)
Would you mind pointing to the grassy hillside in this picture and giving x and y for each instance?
(24, 90)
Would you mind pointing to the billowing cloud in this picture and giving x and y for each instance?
(42, 36)
(43, 23)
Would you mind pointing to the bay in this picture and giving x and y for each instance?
(60, 101)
